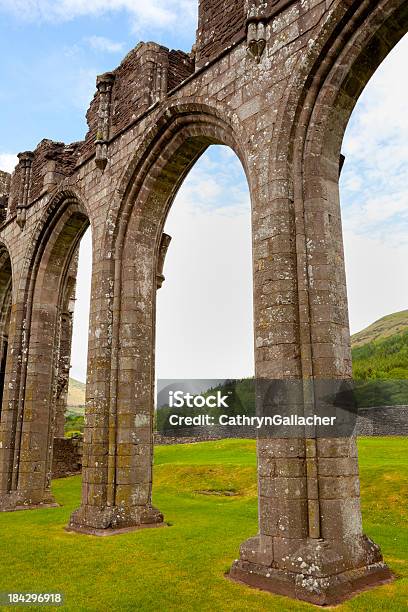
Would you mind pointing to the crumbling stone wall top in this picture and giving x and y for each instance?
(5, 179)
(143, 78)
(220, 24)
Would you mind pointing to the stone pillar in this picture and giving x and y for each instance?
(310, 543)
(63, 348)
(118, 438)
(5, 182)
(5, 313)
(156, 64)
(10, 425)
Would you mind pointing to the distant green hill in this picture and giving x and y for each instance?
(390, 325)
(381, 350)
(380, 361)
(76, 393)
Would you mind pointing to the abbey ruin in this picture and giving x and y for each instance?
(275, 80)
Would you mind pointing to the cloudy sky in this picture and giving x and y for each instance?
(51, 52)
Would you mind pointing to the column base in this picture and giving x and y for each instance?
(111, 531)
(318, 573)
(15, 501)
(110, 521)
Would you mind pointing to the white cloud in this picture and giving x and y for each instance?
(8, 162)
(377, 279)
(101, 43)
(155, 13)
(374, 185)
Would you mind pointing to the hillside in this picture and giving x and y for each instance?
(390, 325)
(380, 362)
(381, 350)
(76, 393)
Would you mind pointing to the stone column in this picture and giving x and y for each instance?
(118, 440)
(5, 313)
(310, 544)
(164, 245)
(63, 349)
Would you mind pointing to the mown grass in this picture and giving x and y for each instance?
(182, 567)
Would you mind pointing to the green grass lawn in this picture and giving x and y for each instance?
(182, 567)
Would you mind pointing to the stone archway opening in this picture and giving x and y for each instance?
(373, 204)
(51, 342)
(5, 313)
(44, 375)
(150, 185)
(204, 319)
(72, 363)
(372, 193)
(205, 307)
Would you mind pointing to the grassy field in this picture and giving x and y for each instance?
(208, 494)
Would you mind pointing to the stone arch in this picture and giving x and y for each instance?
(44, 288)
(124, 453)
(173, 116)
(312, 118)
(370, 39)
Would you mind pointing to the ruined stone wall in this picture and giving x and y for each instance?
(67, 457)
(4, 183)
(281, 100)
(5, 180)
(143, 78)
(220, 24)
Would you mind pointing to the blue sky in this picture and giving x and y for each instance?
(51, 52)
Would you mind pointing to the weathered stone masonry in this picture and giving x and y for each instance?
(276, 81)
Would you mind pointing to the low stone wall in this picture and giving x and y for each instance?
(67, 457)
(384, 421)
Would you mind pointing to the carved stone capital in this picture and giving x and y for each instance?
(104, 82)
(21, 216)
(26, 159)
